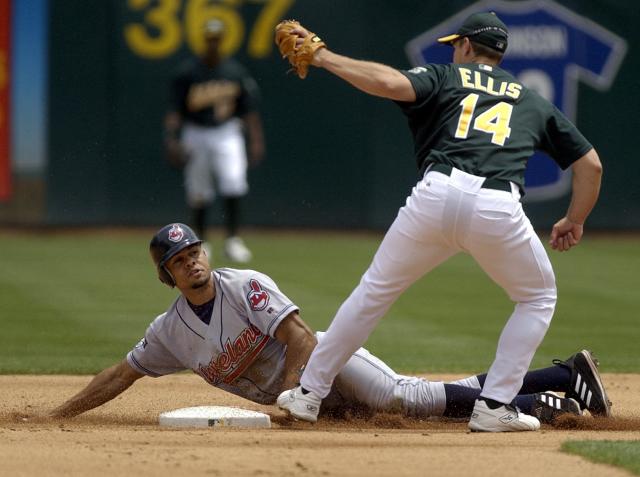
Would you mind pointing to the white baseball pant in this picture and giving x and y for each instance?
(217, 161)
(443, 216)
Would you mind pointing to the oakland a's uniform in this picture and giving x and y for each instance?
(474, 126)
(237, 351)
(211, 101)
(481, 120)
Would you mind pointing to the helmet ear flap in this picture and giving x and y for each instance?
(165, 277)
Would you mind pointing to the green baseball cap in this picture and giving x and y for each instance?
(484, 28)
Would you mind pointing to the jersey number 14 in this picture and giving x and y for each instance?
(494, 121)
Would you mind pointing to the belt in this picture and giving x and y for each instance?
(495, 184)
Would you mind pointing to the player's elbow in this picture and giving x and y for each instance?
(588, 166)
(596, 164)
(394, 85)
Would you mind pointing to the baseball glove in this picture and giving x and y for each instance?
(300, 56)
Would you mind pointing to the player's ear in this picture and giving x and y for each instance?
(467, 47)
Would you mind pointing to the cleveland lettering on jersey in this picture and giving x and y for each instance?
(483, 82)
(236, 357)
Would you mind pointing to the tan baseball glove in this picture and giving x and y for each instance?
(297, 49)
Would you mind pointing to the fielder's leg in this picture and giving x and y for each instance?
(412, 246)
(198, 178)
(507, 248)
(230, 168)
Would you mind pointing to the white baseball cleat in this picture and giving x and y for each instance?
(299, 405)
(505, 418)
(236, 250)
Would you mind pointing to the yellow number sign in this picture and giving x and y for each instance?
(161, 32)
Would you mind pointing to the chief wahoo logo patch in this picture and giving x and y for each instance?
(176, 233)
(258, 298)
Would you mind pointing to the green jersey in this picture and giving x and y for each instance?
(481, 120)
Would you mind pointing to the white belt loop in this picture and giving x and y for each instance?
(515, 191)
(466, 182)
(426, 171)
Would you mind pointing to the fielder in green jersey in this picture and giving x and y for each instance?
(474, 127)
(481, 120)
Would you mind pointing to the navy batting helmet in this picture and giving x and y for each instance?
(168, 241)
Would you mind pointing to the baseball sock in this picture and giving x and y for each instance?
(232, 210)
(460, 401)
(199, 215)
(554, 378)
(525, 402)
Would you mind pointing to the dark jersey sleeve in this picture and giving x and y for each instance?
(426, 81)
(562, 140)
(180, 86)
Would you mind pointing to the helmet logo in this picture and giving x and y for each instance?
(176, 233)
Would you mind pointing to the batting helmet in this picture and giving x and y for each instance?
(168, 241)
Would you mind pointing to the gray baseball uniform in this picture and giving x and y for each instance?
(237, 351)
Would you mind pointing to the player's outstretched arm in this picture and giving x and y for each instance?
(105, 386)
(372, 78)
(587, 174)
(300, 342)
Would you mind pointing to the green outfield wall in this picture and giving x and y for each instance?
(335, 157)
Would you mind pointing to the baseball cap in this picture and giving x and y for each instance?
(484, 28)
(213, 27)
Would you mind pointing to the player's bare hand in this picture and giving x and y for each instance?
(256, 152)
(565, 234)
(175, 153)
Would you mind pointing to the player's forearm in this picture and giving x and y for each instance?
(372, 78)
(587, 174)
(297, 356)
(253, 124)
(172, 124)
(105, 386)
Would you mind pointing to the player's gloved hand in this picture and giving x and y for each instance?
(298, 45)
(565, 234)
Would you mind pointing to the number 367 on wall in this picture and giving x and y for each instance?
(162, 29)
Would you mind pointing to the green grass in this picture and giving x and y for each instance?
(624, 454)
(76, 302)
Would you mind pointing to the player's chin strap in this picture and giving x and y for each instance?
(165, 276)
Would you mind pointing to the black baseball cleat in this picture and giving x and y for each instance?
(549, 406)
(586, 386)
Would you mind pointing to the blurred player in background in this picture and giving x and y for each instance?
(214, 106)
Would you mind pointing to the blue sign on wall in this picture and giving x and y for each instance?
(550, 49)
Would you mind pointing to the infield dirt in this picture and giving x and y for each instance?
(122, 438)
